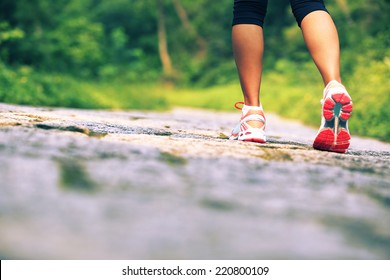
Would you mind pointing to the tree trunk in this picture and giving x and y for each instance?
(343, 4)
(162, 41)
(181, 12)
(200, 41)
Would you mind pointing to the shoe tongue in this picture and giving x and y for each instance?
(247, 108)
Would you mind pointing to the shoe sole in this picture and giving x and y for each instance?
(335, 137)
(256, 140)
(252, 137)
(249, 138)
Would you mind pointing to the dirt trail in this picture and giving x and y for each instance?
(84, 184)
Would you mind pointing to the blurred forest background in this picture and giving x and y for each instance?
(155, 54)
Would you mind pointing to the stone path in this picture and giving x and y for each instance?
(80, 184)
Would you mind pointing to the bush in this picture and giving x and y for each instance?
(26, 86)
(370, 89)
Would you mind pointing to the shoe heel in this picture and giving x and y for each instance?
(337, 110)
(328, 140)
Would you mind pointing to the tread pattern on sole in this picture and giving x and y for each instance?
(325, 141)
(335, 139)
(330, 105)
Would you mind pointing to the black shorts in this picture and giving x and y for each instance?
(254, 11)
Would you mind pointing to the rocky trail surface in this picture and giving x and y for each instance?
(86, 184)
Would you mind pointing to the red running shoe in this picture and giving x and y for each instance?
(333, 135)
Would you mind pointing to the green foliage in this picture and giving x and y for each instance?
(76, 43)
(372, 101)
(26, 86)
(7, 33)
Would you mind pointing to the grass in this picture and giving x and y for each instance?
(26, 86)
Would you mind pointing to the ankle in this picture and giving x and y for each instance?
(333, 84)
(246, 109)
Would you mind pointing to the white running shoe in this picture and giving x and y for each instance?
(251, 127)
(333, 135)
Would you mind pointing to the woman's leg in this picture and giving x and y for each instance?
(320, 35)
(321, 38)
(248, 47)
